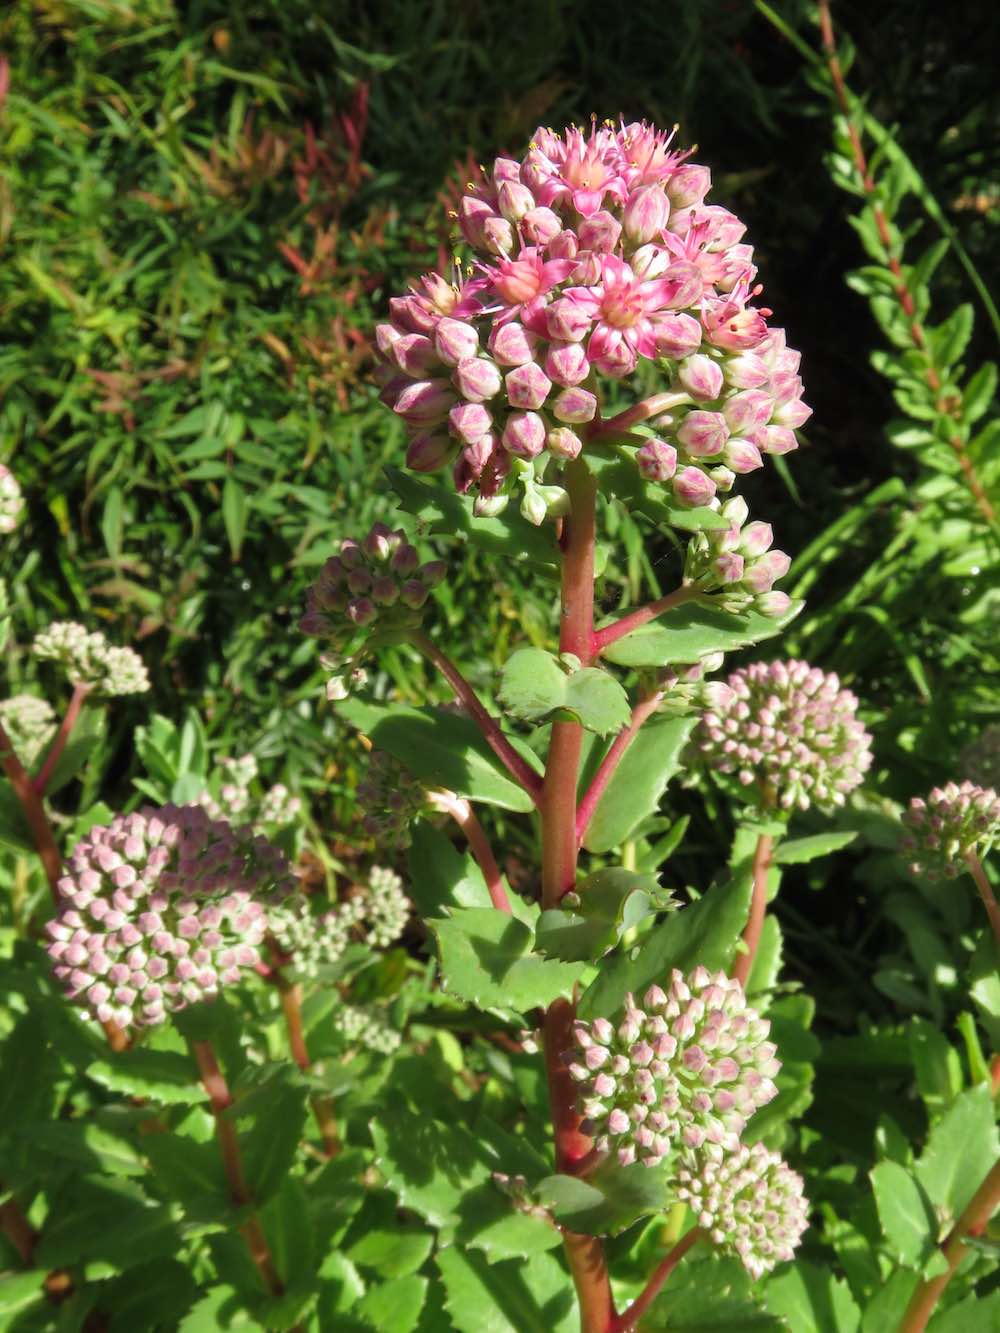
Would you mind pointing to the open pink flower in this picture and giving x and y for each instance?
(520, 283)
(646, 159)
(623, 306)
(570, 167)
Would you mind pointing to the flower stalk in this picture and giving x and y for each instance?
(986, 893)
(629, 1318)
(743, 963)
(322, 1104)
(616, 751)
(79, 697)
(604, 638)
(462, 813)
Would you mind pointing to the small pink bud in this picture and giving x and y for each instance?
(413, 594)
(566, 363)
(742, 456)
(362, 611)
(676, 336)
(514, 200)
(477, 379)
(432, 572)
(748, 410)
(688, 185)
(773, 604)
(701, 377)
(703, 434)
(385, 336)
(427, 452)
(473, 215)
(409, 314)
(588, 271)
(692, 487)
(775, 440)
(385, 590)
(470, 463)
(651, 261)
(564, 246)
(425, 402)
(405, 559)
(728, 567)
(539, 226)
(600, 233)
(748, 370)
(454, 340)
(512, 344)
(765, 571)
(498, 236)
(566, 321)
(657, 460)
(610, 354)
(414, 354)
(646, 214)
(469, 422)
(359, 581)
(380, 542)
(575, 406)
(792, 414)
(391, 387)
(756, 538)
(506, 169)
(563, 442)
(527, 386)
(524, 434)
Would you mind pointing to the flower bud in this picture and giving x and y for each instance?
(454, 340)
(657, 460)
(539, 226)
(533, 506)
(589, 269)
(676, 336)
(433, 572)
(424, 402)
(575, 406)
(498, 236)
(477, 379)
(512, 344)
(473, 215)
(362, 611)
(567, 321)
(775, 440)
(469, 422)
(413, 594)
(524, 434)
(693, 488)
(700, 376)
(773, 604)
(514, 200)
(646, 214)
(385, 591)
(728, 567)
(756, 538)
(392, 387)
(703, 434)
(564, 246)
(611, 354)
(748, 410)
(563, 442)
(405, 559)
(792, 414)
(381, 541)
(600, 233)
(527, 386)
(765, 571)
(414, 354)
(566, 363)
(742, 456)
(385, 336)
(650, 261)
(748, 370)
(688, 185)
(427, 452)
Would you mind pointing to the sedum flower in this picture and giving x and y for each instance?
(954, 821)
(88, 659)
(275, 806)
(11, 501)
(748, 1200)
(688, 1068)
(594, 252)
(391, 798)
(387, 908)
(366, 1025)
(789, 729)
(278, 806)
(312, 940)
(737, 565)
(159, 910)
(30, 724)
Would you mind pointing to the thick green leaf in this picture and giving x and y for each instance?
(609, 1201)
(20, 1291)
(394, 1307)
(885, 1308)
(938, 1065)
(639, 781)
(440, 875)
(767, 961)
(487, 959)
(220, 1309)
(960, 1150)
(534, 684)
(906, 1214)
(511, 1297)
(85, 1145)
(86, 737)
(14, 830)
(431, 1166)
(812, 1300)
(288, 1225)
(611, 901)
(491, 1222)
(704, 932)
(801, 850)
(690, 631)
(391, 1254)
(160, 1076)
(710, 1296)
(151, 1295)
(103, 1218)
(442, 749)
(976, 1314)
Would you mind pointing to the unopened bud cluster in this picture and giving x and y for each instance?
(737, 564)
(391, 798)
(30, 724)
(88, 659)
(275, 806)
(375, 916)
(788, 728)
(378, 583)
(748, 1200)
(687, 1068)
(11, 500)
(954, 821)
(387, 907)
(594, 251)
(366, 1025)
(159, 910)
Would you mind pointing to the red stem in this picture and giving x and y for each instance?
(630, 1317)
(322, 1104)
(34, 813)
(464, 816)
(985, 891)
(18, 1230)
(80, 692)
(604, 638)
(518, 768)
(606, 771)
(758, 909)
(972, 1223)
(947, 405)
(649, 407)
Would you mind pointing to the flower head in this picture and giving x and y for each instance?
(30, 724)
(391, 798)
(88, 659)
(275, 806)
(310, 939)
(789, 730)
(954, 821)
(748, 1200)
(386, 906)
(11, 501)
(366, 1025)
(687, 1068)
(159, 910)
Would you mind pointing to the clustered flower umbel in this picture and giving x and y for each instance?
(593, 252)
(687, 1068)
(790, 729)
(378, 583)
(376, 916)
(30, 724)
(159, 910)
(737, 563)
(953, 821)
(11, 500)
(88, 659)
(748, 1200)
(366, 1025)
(275, 806)
(391, 798)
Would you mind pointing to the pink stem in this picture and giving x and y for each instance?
(604, 638)
(649, 407)
(630, 1317)
(80, 692)
(464, 816)
(758, 909)
(34, 814)
(985, 892)
(518, 768)
(604, 774)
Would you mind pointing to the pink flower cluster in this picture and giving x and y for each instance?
(737, 563)
(688, 1068)
(376, 583)
(594, 251)
(953, 821)
(788, 728)
(159, 910)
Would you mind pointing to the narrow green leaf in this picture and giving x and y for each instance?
(801, 850)
(687, 633)
(234, 515)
